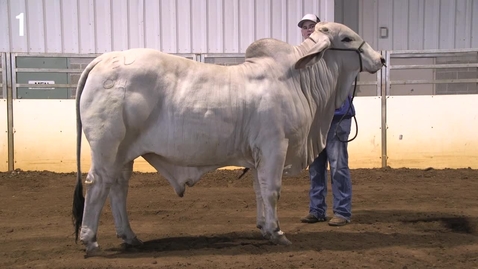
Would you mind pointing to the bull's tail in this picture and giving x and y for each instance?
(78, 198)
(244, 171)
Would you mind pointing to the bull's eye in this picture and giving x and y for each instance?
(347, 39)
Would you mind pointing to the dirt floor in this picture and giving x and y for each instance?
(402, 218)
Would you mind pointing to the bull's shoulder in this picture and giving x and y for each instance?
(268, 47)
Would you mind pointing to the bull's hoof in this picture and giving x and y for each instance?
(135, 243)
(93, 251)
(280, 240)
(128, 247)
(264, 233)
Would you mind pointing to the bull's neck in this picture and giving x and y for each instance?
(324, 84)
(344, 74)
(316, 82)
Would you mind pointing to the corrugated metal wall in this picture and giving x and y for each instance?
(174, 26)
(347, 12)
(420, 24)
(225, 26)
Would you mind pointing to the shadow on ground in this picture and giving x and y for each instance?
(432, 230)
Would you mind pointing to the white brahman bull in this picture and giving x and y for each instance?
(270, 114)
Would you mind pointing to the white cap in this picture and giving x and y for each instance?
(308, 17)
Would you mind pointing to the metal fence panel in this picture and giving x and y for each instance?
(3, 75)
(3, 136)
(51, 82)
(433, 72)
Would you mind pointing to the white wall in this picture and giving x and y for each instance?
(173, 26)
(423, 131)
(432, 131)
(420, 24)
(45, 137)
(366, 150)
(3, 136)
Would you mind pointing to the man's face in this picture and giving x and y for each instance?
(307, 28)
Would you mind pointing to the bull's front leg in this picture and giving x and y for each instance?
(260, 219)
(269, 179)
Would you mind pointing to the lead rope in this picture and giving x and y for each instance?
(359, 51)
(343, 116)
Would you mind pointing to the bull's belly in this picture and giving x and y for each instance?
(192, 148)
(204, 153)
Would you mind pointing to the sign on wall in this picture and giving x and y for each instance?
(40, 82)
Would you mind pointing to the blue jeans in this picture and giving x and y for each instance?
(337, 156)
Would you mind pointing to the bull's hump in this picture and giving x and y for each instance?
(267, 47)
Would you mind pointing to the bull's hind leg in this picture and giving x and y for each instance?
(105, 171)
(104, 112)
(269, 174)
(118, 194)
(97, 188)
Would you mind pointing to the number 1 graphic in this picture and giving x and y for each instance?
(21, 19)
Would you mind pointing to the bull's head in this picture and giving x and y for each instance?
(336, 36)
(344, 48)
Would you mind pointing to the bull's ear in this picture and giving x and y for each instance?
(316, 52)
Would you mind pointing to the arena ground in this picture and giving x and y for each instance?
(403, 218)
